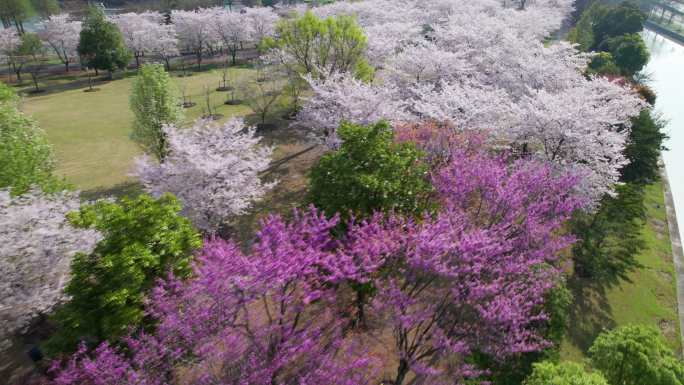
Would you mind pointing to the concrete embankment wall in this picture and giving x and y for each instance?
(677, 254)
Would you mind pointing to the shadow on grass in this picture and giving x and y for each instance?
(126, 189)
(590, 313)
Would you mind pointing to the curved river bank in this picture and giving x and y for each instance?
(666, 69)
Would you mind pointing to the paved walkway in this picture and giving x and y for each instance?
(677, 254)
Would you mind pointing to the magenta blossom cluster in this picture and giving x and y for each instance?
(470, 278)
(260, 318)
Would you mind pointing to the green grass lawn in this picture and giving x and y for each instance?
(650, 297)
(90, 130)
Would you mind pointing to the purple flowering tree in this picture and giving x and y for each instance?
(471, 278)
(258, 318)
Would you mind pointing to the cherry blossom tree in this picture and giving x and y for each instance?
(62, 35)
(165, 43)
(9, 43)
(35, 255)
(232, 29)
(483, 65)
(261, 22)
(194, 31)
(144, 34)
(585, 128)
(344, 98)
(212, 169)
(467, 107)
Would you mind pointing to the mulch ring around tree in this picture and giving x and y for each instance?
(265, 127)
(213, 116)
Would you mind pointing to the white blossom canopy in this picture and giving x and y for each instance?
(37, 245)
(213, 170)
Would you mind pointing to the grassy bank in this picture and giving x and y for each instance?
(90, 130)
(648, 298)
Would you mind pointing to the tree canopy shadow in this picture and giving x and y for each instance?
(125, 189)
(590, 312)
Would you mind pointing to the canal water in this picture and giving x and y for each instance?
(666, 69)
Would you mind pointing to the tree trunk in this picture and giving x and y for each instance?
(66, 64)
(168, 64)
(360, 308)
(110, 75)
(96, 72)
(34, 77)
(19, 25)
(137, 61)
(233, 54)
(402, 371)
(199, 61)
(17, 71)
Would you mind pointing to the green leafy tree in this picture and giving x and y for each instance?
(101, 45)
(15, 12)
(583, 32)
(370, 172)
(636, 355)
(7, 95)
(154, 103)
(322, 47)
(614, 21)
(565, 373)
(26, 158)
(603, 64)
(610, 239)
(629, 53)
(45, 8)
(31, 46)
(643, 150)
(144, 239)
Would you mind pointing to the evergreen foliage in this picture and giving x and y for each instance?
(101, 44)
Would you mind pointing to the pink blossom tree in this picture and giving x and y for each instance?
(35, 255)
(9, 43)
(261, 23)
(344, 98)
(231, 29)
(144, 34)
(194, 32)
(165, 44)
(212, 169)
(483, 65)
(584, 128)
(62, 35)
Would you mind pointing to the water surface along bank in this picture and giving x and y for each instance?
(666, 68)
